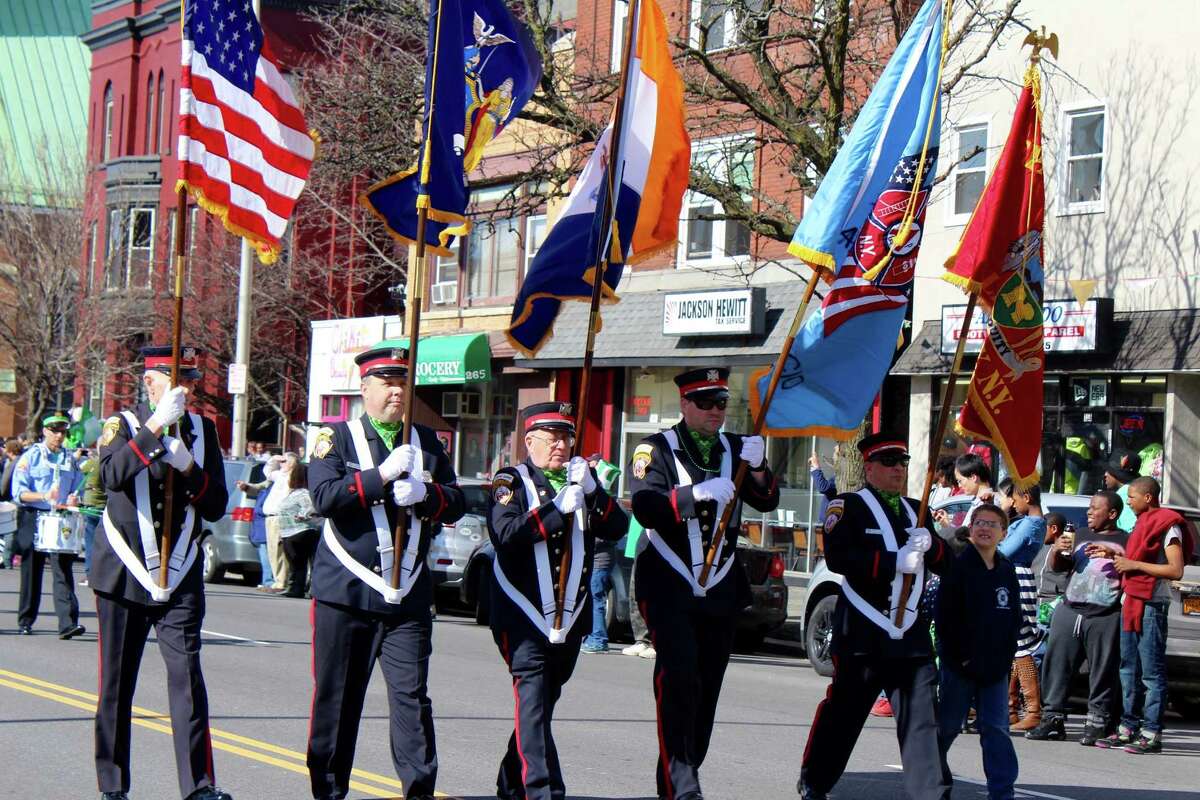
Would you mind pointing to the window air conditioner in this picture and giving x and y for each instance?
(462, 404)
(441, 294)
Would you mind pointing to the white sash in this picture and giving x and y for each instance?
(544, 620)
(183, 553)
(410, 568)
(889, 539)
(695, 541)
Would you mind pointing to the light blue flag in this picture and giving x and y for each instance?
(865, 226)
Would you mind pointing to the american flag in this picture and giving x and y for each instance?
(244, 149)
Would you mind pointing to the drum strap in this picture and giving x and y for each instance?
(543, 620)
(695, 540)
(410, 568)
(183, 553)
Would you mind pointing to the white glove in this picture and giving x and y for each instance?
(719, 489)
(908, 561)
(753, 450)
(579, 473)
(569, 500)
(399, 461)
(919, 540)
(408, 491)
(169, 409)
(178, 456)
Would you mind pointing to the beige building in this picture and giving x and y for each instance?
(1121, 178)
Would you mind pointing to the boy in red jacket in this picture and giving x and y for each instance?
(1155, 554)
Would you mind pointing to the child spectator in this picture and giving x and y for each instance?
(1020, 546)
(978, 622)
(1155, 554)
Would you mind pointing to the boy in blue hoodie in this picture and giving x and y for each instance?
(978, 622)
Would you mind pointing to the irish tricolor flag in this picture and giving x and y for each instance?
(652, 173)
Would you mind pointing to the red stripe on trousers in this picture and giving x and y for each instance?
(658, 713)
(817, 716)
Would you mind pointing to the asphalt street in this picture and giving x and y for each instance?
(257, 661)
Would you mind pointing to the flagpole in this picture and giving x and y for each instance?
(176, 340)
(414, 303)
(936, 440)
(602, 260)
(760, 421)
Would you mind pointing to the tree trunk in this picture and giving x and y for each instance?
(848, 463)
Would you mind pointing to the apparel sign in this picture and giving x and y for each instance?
(723, 312)
(1068, 327)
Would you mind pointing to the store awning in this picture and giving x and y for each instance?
(632, 335)
(448, 360)
(1143, 341)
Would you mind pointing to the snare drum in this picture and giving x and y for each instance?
(59, 533)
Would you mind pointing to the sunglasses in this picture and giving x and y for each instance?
(707, 404)
(891, 460)
(56, 428)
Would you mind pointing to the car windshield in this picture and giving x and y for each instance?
(476, 499)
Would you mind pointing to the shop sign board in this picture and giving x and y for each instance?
(715, 312)
(1069, 328)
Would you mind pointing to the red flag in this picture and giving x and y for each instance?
(244, 149)
(1000, 258)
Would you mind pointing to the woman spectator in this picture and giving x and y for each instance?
(297, 531)
(1021, 546)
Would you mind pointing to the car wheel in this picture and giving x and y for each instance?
(818, 636)
(213, 571)
(483, 595)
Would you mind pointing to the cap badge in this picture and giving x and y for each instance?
(714, 375)
(188, 354)
(566, 409)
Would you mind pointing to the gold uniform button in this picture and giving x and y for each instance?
(157, 524)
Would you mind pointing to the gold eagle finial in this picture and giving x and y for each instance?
(1041, 41)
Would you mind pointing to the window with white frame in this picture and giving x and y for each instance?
(970, 170)
(721, 20)
(140, 265)
(106, 134)
(535, 234)
(114, 251)
(1084, 184)
(443, 288)
(493, 257)
(728, 160)
(620, 17)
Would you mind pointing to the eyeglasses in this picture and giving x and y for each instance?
(707, 404)
(985, 523)
(551, 441)
(891, 460)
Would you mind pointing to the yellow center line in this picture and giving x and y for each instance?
(146, 718)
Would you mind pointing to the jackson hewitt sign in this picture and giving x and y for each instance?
(728, 312)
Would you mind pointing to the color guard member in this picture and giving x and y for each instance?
(538, 508)
(873, 539)
(136, 453)
(682, 480)
(359, 477)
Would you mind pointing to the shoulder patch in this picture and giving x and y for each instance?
(502, 493)
(323, 444)
(643, 454)
(833, 513)
(112, 426)
(504, 478)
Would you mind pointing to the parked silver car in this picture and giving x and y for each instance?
(226, 544)
(452, 547)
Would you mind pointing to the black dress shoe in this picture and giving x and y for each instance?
(809, 793)
(25, 630)
(210, 793)
(74, 630)
(114, 796)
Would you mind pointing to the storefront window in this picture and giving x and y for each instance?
(1086, 419)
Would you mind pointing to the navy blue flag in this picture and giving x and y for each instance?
(480, 69)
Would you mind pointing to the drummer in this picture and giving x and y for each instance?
(46, 479)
